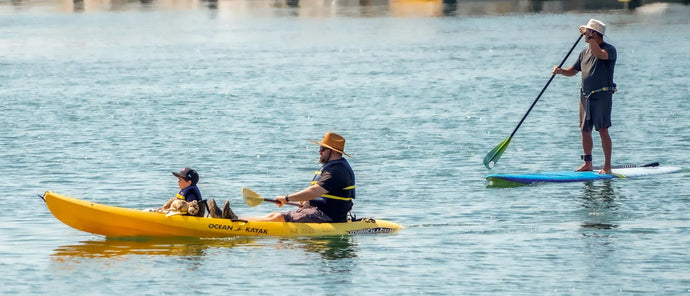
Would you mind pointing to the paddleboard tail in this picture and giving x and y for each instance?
(627, 166)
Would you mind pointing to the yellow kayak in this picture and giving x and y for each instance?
(113, 221)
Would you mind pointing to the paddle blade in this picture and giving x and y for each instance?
(251, 198)
(494, 155)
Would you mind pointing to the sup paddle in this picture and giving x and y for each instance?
(495, 154)
(253, 199)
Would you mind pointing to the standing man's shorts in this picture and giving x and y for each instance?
(599, 111)
(306, 214)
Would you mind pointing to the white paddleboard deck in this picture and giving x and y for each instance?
(507, 180)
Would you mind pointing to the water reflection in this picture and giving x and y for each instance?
(329, 248)
(601, 205)
(348, 8)
(179, 247)
(338, 253)
(601, 208)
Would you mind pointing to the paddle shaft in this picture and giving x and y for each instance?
(277, 202)
(495, 154)
(544, 89)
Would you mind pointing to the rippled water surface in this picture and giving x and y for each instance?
(101, 104)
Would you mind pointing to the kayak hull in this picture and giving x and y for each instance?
(113, 221)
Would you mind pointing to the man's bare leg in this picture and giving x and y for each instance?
(272, 217)
(606, 145)
(587, 146)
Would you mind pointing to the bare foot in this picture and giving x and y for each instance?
(585, 167)
(605, 171)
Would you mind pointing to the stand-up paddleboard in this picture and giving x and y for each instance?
(625, 171)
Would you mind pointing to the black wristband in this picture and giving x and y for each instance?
(286, 198)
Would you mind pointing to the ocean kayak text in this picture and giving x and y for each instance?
(238, 228)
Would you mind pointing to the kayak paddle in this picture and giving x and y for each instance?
(492, 157)
(253, 199)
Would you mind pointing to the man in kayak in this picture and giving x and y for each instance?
(596, 63)
(329, 198)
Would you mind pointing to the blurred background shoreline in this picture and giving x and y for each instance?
(345, 8)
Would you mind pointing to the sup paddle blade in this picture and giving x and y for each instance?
(494, 155)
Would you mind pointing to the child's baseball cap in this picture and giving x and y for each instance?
(188, 174)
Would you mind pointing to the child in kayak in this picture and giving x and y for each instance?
(189, 197)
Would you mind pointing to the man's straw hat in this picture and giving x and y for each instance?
(595, 25)
(334, 142)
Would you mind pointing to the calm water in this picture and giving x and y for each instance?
(102, 103)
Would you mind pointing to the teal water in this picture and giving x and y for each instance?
(102, 104)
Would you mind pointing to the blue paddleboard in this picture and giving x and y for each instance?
(629, 171)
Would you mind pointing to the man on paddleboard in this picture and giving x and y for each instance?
(329, 198)
(596, 62)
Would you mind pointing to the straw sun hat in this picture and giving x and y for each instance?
(334, 142)
(595, 25)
